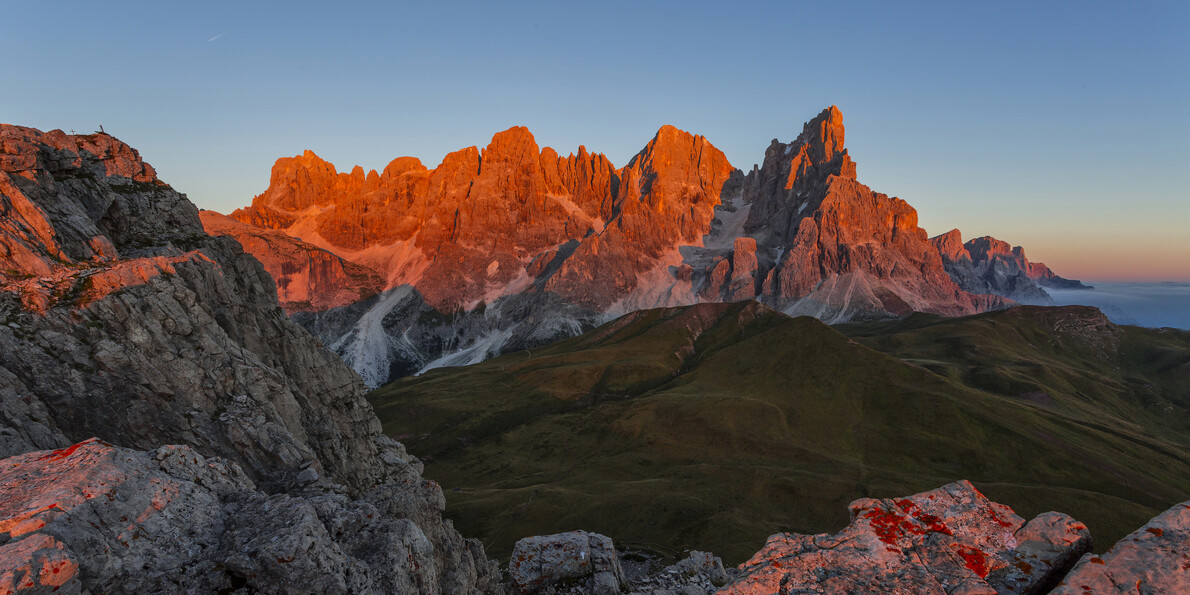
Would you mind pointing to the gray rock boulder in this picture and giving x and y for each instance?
(1152, 559)
(699, 573)
(122, 521)
(564, 562)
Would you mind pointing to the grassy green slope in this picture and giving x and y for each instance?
(717, 425)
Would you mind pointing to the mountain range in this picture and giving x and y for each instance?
(515, 246)
(166, 427)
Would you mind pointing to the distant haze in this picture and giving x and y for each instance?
(1142, 304)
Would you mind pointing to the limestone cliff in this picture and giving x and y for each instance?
(307, 277)
(121, 319)
(513, 246)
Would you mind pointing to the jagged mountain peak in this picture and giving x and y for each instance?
(950, 245)
(824, 135)
(985, 247)
(515, 143)
(574, 240)
(989, 265)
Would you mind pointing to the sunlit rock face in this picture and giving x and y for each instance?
(988, 265)
(514, 246)
(834, 249)
(948, 540)
(1152, 559)
(112, 520)
(120, 318)
(307, 277)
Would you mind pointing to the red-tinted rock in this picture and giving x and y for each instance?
(872, 243)
(743, 270)
(307, 277)
(950, 246)
(119, 180)
(667, 196)
(846, 251)
(576, 240)
(948, 540)
(716, 281)
(115, 518)
(443, 229)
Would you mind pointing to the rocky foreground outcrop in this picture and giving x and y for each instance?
(562, 244)
(1153, 559)
(120, 318)
(948, 540)
(107, 519)
(582, 563)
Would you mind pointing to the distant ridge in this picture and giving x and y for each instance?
(515, 246)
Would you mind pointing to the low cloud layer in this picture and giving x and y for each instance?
(1143, 304)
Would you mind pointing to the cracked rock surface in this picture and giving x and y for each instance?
(948, 540)
(1153, 559)
(120, 318)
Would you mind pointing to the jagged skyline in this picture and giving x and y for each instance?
(1040, 131)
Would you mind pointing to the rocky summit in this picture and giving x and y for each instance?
(988, 265)
(515, 246)
(122, 320)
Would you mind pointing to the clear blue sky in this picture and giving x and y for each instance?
(1064, 127)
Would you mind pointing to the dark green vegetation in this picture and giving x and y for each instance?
(714, 426)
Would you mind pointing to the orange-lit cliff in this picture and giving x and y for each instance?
(575, 239)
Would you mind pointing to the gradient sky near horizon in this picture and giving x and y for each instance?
(1062, 127)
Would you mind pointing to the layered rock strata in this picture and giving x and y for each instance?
(121, 319)
(307, 277)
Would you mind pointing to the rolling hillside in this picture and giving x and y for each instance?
(713, 426)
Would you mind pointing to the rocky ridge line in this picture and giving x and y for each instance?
(988, 265)
(121, 319)
(514, 246)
